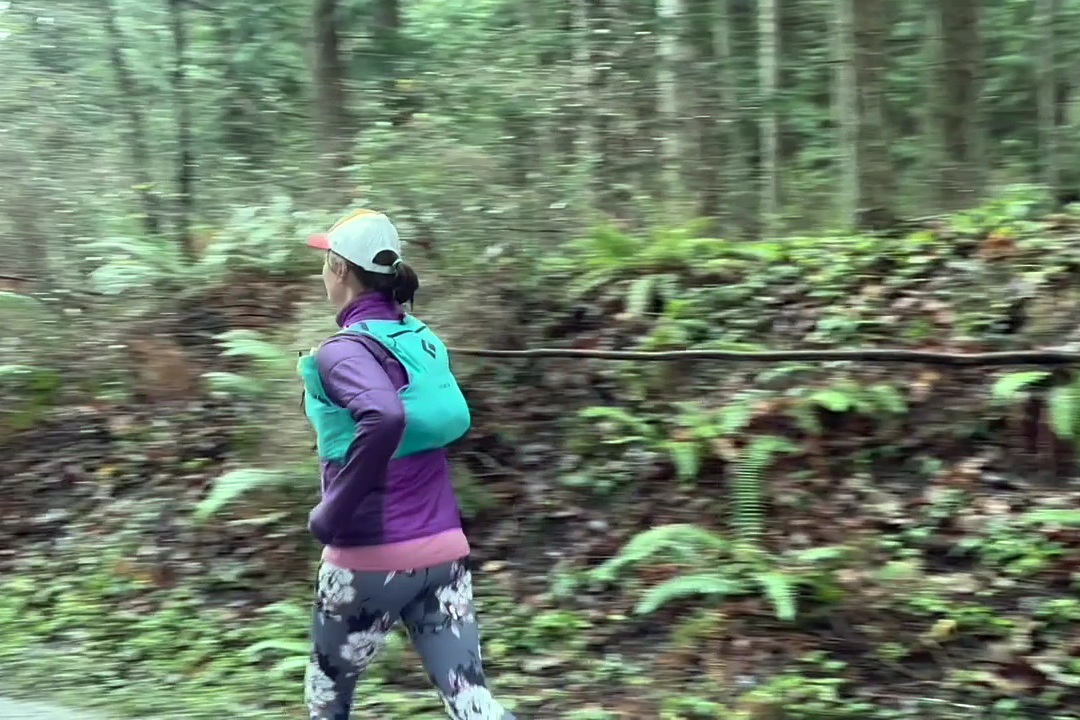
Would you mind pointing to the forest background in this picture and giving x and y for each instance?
(679, 540)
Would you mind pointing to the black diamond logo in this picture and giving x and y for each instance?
(428, 348)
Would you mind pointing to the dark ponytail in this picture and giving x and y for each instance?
(401, 286)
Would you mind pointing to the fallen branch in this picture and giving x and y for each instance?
(921, 357)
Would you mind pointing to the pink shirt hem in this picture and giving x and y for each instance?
(416, 554)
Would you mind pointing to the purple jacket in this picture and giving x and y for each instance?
(370, 499)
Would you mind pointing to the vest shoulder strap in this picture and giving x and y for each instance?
(410, 341)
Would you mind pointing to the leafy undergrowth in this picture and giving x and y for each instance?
(654, 540)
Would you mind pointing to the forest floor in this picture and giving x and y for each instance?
(849, 541)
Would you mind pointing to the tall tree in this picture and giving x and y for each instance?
(334, 123)
(731, 156)
(137, 131)
(386, 50)
(845, 105)
(769, 90)
(598, 59)
(859, 30)
(671, 93)
(707, 110)
(185, 164)
(1046, 84)
(956, 73)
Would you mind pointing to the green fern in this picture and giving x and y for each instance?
(1061, 517)
(235, 385)
(1064, 406)
(699, 427)
(136, 263)
(297, 652)
(256, 237)
(683, 542)
(26, 394)
(682, 248)
(16, 302)
(619, 426)
(15, 372)
(710, 584)
(260, 237)
(234, 484)
(289, 645)
(736, 416)
(780, 590)
(748, 515)
(1013, 386)
(589, 282)
(845, 396)
(22, 318)
(886, 399)
(835, 399)
(255, 346)
(1062, 402)
(686, 457)
(644, 289)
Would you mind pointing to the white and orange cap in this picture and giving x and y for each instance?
(359, 238)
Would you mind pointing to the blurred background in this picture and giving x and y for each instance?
(679, 540)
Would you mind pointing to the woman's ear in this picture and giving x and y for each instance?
(337, 267)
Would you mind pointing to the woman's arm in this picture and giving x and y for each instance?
(355, 379)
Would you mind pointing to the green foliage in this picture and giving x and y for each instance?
(716, 569)
(493, 132)
(271, 389)
(17, 303)
(238, 483)
(1062, 401)
(293, 651)
(712, 449)
(138, 263)
(747, 508)
(1012, 387)
(268, 358)
(259, 239)
(709, 585)
(681, 542)
(27, 392)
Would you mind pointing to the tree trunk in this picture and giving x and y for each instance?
(769, 90)
(333, 118)
(138, 145)
(568, 116)
(733, 159)
(387, 51)
(185, 167)
(957, 76)
(1069, 133)
(644, 74)
(845, 106)
(708, 154)
(671, 96)
(876, 183)
(860, 28)
(1046, 13)
(600, 55)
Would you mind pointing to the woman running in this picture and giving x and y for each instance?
(384, 404)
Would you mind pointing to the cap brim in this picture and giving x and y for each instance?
(319, 242)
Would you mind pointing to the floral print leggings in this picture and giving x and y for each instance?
(354, 612)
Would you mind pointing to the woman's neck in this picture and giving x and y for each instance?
(369, 306)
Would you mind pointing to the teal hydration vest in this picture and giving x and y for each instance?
(436, 413)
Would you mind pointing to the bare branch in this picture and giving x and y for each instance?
(884, 355)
